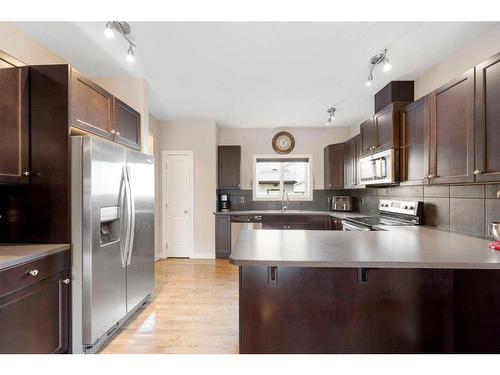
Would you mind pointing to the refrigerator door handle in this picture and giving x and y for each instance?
(132, 221)
(123, 217)
(129, 216)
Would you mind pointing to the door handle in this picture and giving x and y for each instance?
(132, 221)
(124, 215)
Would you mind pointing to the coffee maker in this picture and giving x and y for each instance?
(224, 202)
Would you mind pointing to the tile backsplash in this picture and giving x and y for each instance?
(241, 200)
(459, 208)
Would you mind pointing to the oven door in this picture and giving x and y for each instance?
(377, 168)
(351, 227)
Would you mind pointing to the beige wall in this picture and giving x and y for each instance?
(23, 47)
(467, 57)
(201, 138)
(133, 91)
(258, 141)
(154, 129)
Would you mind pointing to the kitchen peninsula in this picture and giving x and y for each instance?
(406, 290)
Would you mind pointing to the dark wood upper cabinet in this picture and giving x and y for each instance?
(334, 166)
(91, 106)
(127, 130)
(357, 156)
(394, 91)
(228, 171)
(415, 141)
(382, 131)
(350, 179)
(487, 124)
(14, 121)
(367, 134)
(452, 131)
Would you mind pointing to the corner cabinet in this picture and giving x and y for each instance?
(487, 120)
(415, 139)
(228, 167)
(34, 306)
(452, 131)
(14, 121)
(334, 166)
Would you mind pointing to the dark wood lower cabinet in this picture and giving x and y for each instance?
(222, 236)
(349, 310)
(298, 222)
(34, 310)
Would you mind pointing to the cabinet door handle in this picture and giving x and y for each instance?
(431, 176)
(478, 171)
(26, 173)
(66, 281)
(33, 273)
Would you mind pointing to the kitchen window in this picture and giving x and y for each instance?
(274, 175)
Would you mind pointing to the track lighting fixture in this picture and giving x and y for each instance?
(331, 115)
(130, 55)
(375, 60)
(122, 28)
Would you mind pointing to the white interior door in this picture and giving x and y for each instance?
(178, 205)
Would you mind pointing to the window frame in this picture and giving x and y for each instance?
(308, 197)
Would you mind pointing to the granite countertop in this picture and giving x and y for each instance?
(14, 254)
(399, 247)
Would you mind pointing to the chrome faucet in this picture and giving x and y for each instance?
(284, 197)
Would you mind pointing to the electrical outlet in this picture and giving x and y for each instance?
(242, 199)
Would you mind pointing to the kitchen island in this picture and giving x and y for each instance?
(407, 290)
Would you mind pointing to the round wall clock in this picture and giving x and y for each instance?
(283, 142)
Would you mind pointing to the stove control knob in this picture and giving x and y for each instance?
(406, 207)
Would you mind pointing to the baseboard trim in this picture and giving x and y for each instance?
(203, 256)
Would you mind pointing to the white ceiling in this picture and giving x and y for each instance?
(258, 74)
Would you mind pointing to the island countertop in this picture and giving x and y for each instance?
(15, 254)
(401, 247)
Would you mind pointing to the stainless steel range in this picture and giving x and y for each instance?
(391, 213)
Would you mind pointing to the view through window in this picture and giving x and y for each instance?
(275, 175)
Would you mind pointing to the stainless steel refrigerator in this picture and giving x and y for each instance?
(112, 205)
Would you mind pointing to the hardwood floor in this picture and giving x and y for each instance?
(194, 310)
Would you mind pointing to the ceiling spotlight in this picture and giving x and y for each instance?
(369, 81)
(387, 66)
(130, 55)
(375, 60)
(122, 28)
(331, 115)
(108, 31)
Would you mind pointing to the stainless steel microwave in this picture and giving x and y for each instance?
(379, 168)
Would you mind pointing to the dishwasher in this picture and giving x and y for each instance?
(239, 222)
